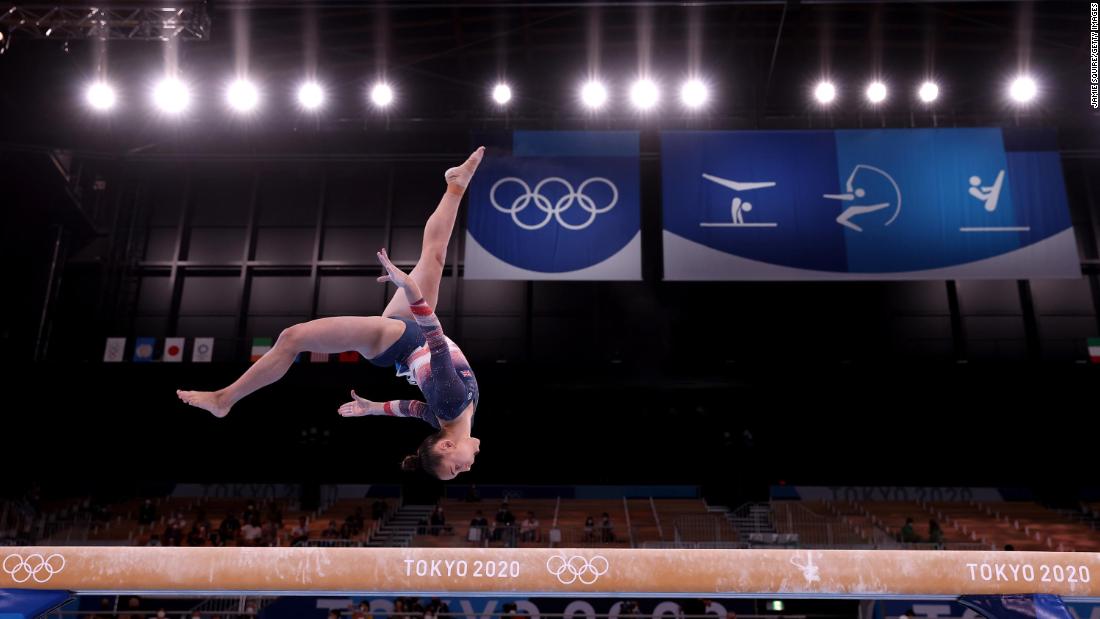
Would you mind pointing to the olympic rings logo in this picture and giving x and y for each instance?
(554, 210)
(577, 568)
(35, 566)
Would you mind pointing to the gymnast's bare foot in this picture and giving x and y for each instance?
(462, 174)
(207, 400)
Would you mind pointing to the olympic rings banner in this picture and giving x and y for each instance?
(559, 205)
(888, 204)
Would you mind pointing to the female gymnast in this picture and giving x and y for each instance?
(407, 335)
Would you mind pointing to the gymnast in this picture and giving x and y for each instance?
(407, 335)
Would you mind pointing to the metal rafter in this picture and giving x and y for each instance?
(186, 20)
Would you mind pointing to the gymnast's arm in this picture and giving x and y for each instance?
(442, 365)
(362, 407)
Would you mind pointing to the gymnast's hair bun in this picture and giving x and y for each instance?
(410, 463)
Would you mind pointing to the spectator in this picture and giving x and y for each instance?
(606, 532)
(908, 535)
(589, 529)
(529, 528)
(251, 532)
(299, 535)
(198, 535)
(269, 534)
(503, 521)
(363, 612)
(249, 512)
(378, 509)
(438, 520)
(479, 528)
(275, 515)
(331, 532)
(133, 606)
(935, 533)
(105, 610)
(438, 607)
(629, 608)
(229, 529)
(353, 524)
(147, 513)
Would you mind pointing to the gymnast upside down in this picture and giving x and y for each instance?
(407, 335)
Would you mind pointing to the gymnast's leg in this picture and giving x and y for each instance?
(369, 335)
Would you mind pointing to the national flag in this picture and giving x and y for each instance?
(1094, 349)
(318, 357)
(173, 349)
(260, 346)
(349, 357)
(203, 352)
(116, 348)
(143, 349)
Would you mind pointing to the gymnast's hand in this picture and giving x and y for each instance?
(399, 278)
(358, 407)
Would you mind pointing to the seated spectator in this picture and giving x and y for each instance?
(908, 535)
(249, 512)
(437, 521)
(269, 534)
(589, 529)
(251, 532)
(529, 528)
(378, 510)
(363, 612)
(353, 524)
(198, 535)
(479, 528)
(147, 513)
(229, 529)
(503, 522)
(935, 533)
(331, 532)
(606, 532)
(299, 535)
(133, 608)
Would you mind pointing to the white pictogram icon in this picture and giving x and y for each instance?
(738, 207)
(857, 193)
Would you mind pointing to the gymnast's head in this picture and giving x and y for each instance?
(443, 456)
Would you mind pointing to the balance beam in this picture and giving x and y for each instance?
(574, 572)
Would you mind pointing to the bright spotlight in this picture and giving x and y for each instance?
(825, 92)
(928, 92)
(694, 94)
(101, 96)
(1023, 89)
(243, 96)
(502, 94)
(310, 95)
(381, 94)
(876, 92)
(644, 94)
(593, 95)
(171, 95)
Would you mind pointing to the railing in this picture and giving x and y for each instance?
(596, 536)
(629, 528)
(703, 528)
(656, 518)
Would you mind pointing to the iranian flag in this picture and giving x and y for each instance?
(1094, 349)
(260, 345)
(173, 349)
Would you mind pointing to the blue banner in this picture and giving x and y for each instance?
(864, 204)
(559, 205)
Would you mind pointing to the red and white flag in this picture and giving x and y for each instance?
(173, 349)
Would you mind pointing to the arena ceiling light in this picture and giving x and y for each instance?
(100, 96)
(311, 96)
(381, 95)
(928, 92)
(694, 94)
(825, 92)
(171, 95)
(876, 92)
(1023, 89)
(502, 93)
(593, 94)
(644, 94)
(242, 95)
